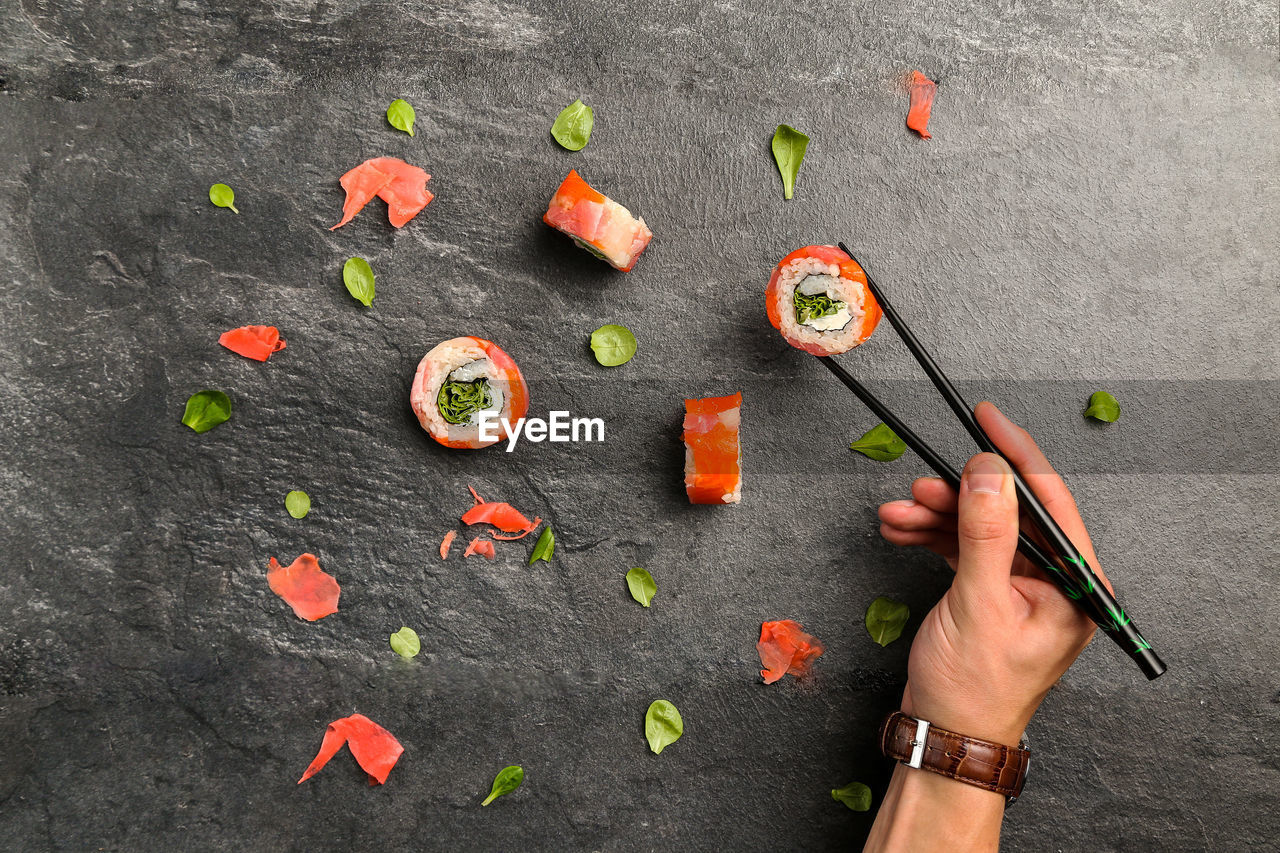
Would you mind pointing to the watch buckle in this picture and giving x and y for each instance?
(917, 744)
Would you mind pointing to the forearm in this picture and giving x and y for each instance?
(923, 811)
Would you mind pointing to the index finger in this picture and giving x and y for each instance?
(1017, 445)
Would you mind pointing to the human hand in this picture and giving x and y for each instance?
(1003, 634)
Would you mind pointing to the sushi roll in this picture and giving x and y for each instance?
(458, 381)
(818, 298)
(712, 454)
(598, 224)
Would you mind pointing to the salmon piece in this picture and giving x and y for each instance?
(921, 89)
(597, 223)
(402, 186)
(784, 648)
(446, 543)
(305, 587)
(713, 456)
(480, 546)
(374, 748)
(255, 342)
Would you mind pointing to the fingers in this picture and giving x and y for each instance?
(940, 543)
(909, 515)
(986, 531)
(934, 493)
(1019, 448)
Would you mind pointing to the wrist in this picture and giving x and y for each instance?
(1004, 725)
(924, 811)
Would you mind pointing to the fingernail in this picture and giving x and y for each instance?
(985, 475)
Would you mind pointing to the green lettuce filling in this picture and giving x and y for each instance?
(459, 401)
(813, 307)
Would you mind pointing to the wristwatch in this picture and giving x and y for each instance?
(990, 766)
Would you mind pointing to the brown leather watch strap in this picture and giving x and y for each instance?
(991, 766)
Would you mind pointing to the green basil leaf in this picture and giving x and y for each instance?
(885, 620)
(206, 409)
(613, 345)
(789, 146)
(298, 504)
(545, 548)
(855, 795)
(223, 196)
(357, 275)
(572, 128)
(880, 443)
(507, 780)
(642, 586)
(1102, 407)
(405, 643)
(401, 115)
(662, 725)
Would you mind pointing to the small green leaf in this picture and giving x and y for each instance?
(1102, 407)
(357, 275)
(789, 146)
(572, 128)
(886, 619)
(642, 586)
(223, 196)
(662, 725)
(545, 547)
(401, 115)
(206, 409)
(855, 795)
(507, 780)
(298, 504)
(405, 643)
(613, 345)
(880, 443)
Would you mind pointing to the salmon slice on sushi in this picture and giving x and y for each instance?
(597, 223)
(712, 453)
(818, 298)
(463, 381)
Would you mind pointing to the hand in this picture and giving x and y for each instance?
(1003, 634)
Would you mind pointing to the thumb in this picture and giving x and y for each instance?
(986, 529)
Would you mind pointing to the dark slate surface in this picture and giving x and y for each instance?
(1098, 208)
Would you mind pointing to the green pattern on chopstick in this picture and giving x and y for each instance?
(1140, 645)
(1118, 618)
(1067, 587)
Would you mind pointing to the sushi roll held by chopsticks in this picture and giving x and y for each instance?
(819, 300)
(462, 380)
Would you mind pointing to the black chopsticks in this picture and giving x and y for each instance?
(1068, 567)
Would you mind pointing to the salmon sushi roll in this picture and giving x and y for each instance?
(462, 380)
(712, 454)
(818, 298)
(598, 224)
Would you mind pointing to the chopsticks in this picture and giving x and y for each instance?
(1068, 567)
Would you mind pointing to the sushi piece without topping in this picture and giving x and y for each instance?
(459, 380)
(598, 224)
(818, 298)
(712, 454)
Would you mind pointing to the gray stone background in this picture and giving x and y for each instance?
(1097, 208)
